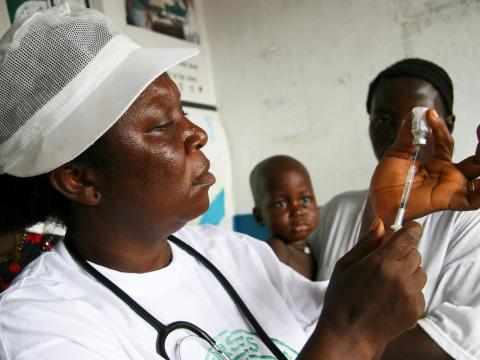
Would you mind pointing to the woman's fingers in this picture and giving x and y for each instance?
(412, 260)
(402, 242)
(371, 241)
(376, 294)
(419, 278)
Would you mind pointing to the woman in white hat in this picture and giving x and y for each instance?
(93, 135)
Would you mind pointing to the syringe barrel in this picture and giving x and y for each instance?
(408, 185)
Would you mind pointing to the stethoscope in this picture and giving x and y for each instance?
(164, 330)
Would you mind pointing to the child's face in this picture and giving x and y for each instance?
(288, 207)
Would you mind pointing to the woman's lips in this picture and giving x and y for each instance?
(205, 177)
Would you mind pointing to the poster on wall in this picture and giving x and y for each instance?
(21, 9)
(176, 18)
(150, 22)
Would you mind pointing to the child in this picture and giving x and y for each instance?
(285, 204)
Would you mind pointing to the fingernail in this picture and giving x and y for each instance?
(434, 114)
(414, 231)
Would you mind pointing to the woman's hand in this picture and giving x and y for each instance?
(439, 184)
(374, 295)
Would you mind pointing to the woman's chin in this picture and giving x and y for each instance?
(201, 207)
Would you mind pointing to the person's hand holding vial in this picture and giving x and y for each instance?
(435, 182)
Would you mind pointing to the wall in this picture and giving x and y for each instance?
(291, 77)
(4, 21)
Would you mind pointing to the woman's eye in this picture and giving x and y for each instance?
(163, 126)
(280, 204)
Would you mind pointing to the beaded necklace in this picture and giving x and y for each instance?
(301, 246)
(15, 254)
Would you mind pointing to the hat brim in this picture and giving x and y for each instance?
(100, 110)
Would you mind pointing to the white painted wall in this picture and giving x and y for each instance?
(291, 77)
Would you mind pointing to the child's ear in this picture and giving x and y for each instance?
(257, 216)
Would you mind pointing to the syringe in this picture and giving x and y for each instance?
(406, 193)
(419, 131)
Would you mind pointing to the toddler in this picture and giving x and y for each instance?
(285, 204)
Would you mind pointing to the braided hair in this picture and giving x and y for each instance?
(421, 69)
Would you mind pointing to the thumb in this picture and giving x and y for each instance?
(371, 241)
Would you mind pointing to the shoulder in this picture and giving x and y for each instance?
(52, 277)
(42, 291)
(342, 215)
(346, 200)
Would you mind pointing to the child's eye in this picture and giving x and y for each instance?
(280, 204)
(307, 200)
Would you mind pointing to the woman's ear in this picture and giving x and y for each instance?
(76, 182)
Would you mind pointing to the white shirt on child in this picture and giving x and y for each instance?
(56, 310)
(450, 248)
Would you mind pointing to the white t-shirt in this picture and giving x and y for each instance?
(55, 310)
(450, 248)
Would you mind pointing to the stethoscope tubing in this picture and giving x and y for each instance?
(177, 325)
(233, 295)
(164, 330)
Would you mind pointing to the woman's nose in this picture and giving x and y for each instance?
(196, 137)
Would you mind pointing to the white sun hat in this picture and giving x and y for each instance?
(66, 76)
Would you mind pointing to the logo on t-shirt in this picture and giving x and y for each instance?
(241, 344)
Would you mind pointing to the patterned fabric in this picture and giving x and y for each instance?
(26, 250)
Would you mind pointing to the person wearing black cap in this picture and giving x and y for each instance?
(398, 88)
(450, 245)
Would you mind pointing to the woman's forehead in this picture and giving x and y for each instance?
(160, 93)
